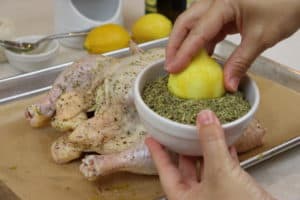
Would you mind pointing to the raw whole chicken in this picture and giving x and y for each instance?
(101, 86)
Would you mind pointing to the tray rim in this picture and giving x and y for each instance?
(254, 160)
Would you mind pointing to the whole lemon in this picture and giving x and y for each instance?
(202, 79)
(106, 38)
(150, 27)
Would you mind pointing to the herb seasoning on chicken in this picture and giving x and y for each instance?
(157, 96)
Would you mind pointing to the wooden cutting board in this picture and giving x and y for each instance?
(6, 193)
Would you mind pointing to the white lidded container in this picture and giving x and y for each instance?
(78, 15)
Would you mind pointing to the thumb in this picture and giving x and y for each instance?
(238, 63)
(212, 140)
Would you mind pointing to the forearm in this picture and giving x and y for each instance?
(294, 8)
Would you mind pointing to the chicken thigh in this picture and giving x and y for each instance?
(137, 159)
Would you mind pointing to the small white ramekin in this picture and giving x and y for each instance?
(32, 61)
(183, 138)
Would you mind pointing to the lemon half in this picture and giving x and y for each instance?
(202, 79)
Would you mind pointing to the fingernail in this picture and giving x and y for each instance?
(234, 83)
(206, 117)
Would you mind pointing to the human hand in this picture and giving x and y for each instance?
(261, 25)
(221, 176)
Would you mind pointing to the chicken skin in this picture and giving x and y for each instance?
(137, 159)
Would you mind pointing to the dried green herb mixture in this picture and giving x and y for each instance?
(157, 96)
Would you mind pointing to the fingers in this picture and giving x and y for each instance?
(182, 27)
(234, 155)
(229, 28)
(212, 140)
(200, 169)
(187, 167)
(238, 63)
(210, 46)
(207, 27)
(169, 175)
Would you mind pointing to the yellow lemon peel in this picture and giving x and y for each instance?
(106, 38)
(202, 79)
(150, 27)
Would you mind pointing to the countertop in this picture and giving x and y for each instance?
(279, 175)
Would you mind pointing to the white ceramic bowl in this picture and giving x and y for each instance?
(35, 60)
(183, 138)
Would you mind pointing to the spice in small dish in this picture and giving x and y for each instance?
(228, 108)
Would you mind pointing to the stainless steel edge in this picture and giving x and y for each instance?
(270, 153)
(18, 86)
(27, 84)
(25, 94)
(40, 81)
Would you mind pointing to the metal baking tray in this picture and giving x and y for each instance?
(36, 82)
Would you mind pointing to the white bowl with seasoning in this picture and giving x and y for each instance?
(39, 58)
(183, 138)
